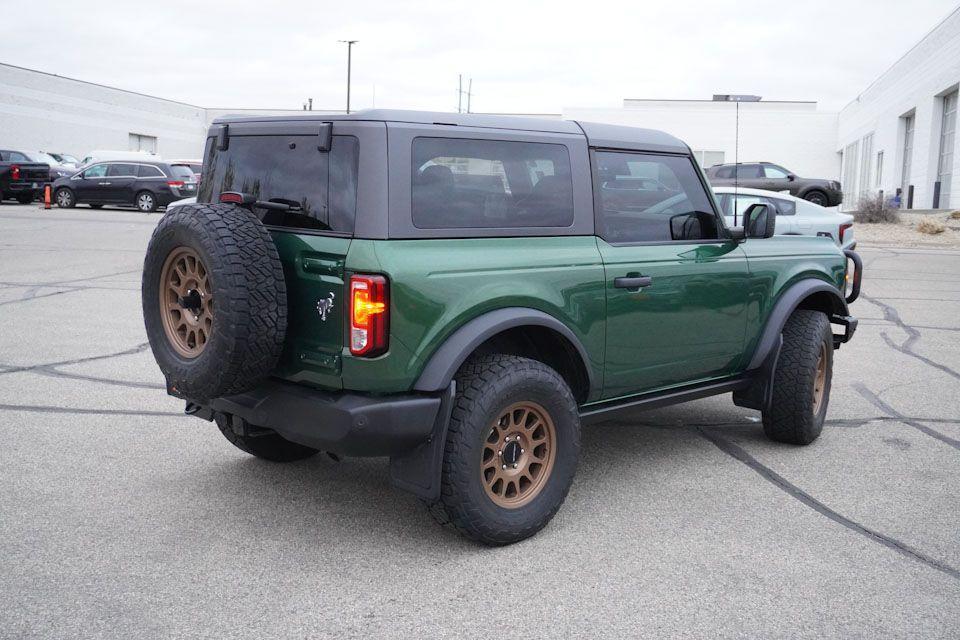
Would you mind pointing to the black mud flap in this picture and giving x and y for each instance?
(419, 470)
(759, 395)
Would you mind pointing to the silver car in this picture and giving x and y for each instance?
(795, 216)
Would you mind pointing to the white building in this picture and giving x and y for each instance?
(42, 111)
(793, 134)
(900, 133)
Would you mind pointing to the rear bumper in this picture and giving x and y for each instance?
(343, 423)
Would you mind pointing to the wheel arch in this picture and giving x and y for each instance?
(811, 293)
(518, 331)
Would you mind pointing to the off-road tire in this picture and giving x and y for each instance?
(249, 297)
(65, 198)
(485, 387)
(793, 416)
(270, 446)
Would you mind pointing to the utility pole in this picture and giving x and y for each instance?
(460, 93)
(349, 44)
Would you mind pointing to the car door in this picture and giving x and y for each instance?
(750, 176)
(119, 184)
(676, 286)
(88, 184)
(777, 179)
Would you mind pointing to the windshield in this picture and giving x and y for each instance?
(40, 156)
(288, 168)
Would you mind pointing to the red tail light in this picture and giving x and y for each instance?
(175, 183)
(231, 197)
(15, 172)
(369, 314)
(843, 229)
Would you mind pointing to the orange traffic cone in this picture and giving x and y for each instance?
(46, 196)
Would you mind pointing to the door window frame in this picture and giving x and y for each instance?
(711, 198)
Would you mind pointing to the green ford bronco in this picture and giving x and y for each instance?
(461, 293)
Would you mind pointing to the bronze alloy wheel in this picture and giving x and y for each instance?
(820, 379)
(518, 455)
(186, 302)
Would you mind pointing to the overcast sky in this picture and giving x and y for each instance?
(523, 56)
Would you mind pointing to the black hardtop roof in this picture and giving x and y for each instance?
(598, 135)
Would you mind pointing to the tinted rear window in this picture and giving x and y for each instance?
(149, 171)
(461, 184)
(288, 168)
(182, 171)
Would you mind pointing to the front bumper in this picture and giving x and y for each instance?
(343, 423)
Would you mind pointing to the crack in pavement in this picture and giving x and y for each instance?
(46, 365)
(891, 314)
(739, 453)
(875, 400)
(33, 408)
(53, 372)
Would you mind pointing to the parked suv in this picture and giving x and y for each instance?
(461, 293)
(772, 177)
(144, 185)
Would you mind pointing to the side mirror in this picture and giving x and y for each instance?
(791, 177)
(760, 221)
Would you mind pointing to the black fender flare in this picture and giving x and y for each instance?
(764, 361)
(444, 363)
(786, 305)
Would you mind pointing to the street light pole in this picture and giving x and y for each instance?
(349, 44)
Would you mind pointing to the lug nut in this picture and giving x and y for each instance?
(504, 467)
(522, 451)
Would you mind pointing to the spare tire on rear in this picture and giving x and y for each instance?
(214, 300)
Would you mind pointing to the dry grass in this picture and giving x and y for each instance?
(930, 227)
(955, 215)
(873, 209)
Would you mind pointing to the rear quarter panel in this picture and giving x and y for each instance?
(779, 262)
(436, 286)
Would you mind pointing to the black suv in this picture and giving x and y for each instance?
(772, 177)
(144, 185)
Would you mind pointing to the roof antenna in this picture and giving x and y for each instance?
(736, 164)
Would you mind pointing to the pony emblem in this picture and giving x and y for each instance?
(325, 306)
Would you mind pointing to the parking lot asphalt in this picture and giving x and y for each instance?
(120, 518)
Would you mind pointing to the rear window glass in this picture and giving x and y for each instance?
(288, 169)
(182, 171)
(461, 184)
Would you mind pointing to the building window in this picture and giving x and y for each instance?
(139, 142)
(866, 164)
(948, 130)
(709, 158)
(879, 178)
(851, 154)
(908, 123)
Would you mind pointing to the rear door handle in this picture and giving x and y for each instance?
(632, 282)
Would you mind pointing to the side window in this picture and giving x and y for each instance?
(96, 171)
(149, 171)
(16, 156)
(747, 171)
(772, 171)
(725, 172)
(652, 198)
(121, 170)
(784, 207)
(463, 184)
(781, 206)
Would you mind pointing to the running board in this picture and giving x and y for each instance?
(610, 408)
